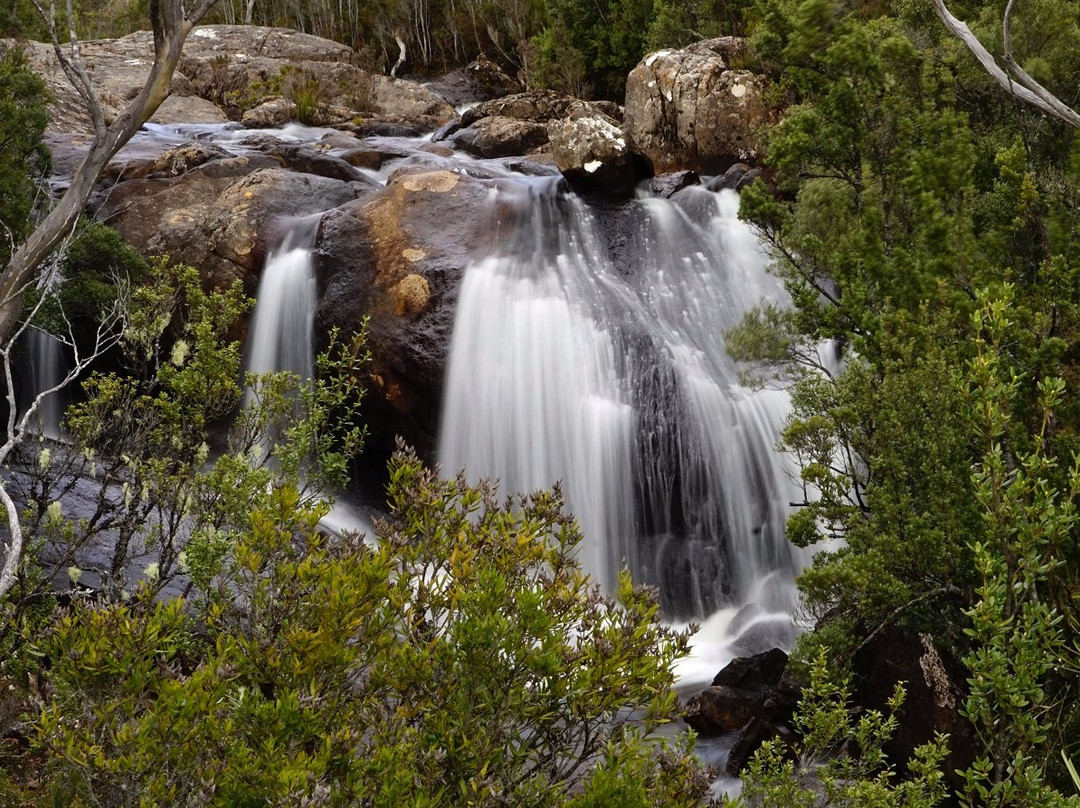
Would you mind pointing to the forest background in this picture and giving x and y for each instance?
(923, 219)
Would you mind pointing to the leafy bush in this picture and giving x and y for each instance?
(462, 658)
(24, 159)
(839, 760)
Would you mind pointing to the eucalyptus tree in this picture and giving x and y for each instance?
(171, 24)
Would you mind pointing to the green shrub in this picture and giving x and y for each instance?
(463, 658)
(839, 760)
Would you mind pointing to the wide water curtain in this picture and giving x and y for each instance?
(609, 374)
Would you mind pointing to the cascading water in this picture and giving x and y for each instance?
(281, 325)
(46, 368)
(614, 379)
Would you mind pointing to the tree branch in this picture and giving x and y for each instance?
(1020, 85)
(171, 28)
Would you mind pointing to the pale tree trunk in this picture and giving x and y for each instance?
(1017, 82)
(401, 55)
(171, 28)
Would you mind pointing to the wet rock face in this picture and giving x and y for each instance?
(221, 216)
(688, 110)
(591, 151)
(751, 699)
(747, 688)
(397, 258)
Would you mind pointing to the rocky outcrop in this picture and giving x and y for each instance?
(397, 258)
(118, 69)
(480, 80)
(223, 215)
(246, 67)
(591, 151)
(687, 109)
(226, 71)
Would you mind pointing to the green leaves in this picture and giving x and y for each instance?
(460, 657)
(24, 160)
(844, 755)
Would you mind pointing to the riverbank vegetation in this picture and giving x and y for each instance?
(925, 223)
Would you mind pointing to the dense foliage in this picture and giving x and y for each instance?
(925, 223)
(24, 160)
(461, 658)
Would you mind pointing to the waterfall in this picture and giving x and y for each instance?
(608, 372)
(280, 335)
(46, 368)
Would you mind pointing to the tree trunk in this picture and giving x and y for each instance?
(171, 28)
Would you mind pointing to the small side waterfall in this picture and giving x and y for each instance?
(46, 368)
(280, 335)
(613, 378)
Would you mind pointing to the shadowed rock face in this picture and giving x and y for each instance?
(397, 257)
(688, 110)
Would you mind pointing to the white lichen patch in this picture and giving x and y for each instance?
(206, 33)
(592, 166)
(738, 90)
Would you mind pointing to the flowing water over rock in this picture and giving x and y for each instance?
(596, 358)
(46, 367)
(280, 337)
(610, 375)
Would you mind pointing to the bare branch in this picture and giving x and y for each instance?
(1020, 85)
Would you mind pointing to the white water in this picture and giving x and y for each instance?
(614, 380)
(280, 335)
(46, 369)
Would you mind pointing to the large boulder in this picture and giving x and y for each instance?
(522, 123)
(397, 257)
(497, 136)
(747, 688)
(591, 151)
(480, 80)
(222, 216)
(538, 106)
(687, 109)
(933, 679)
